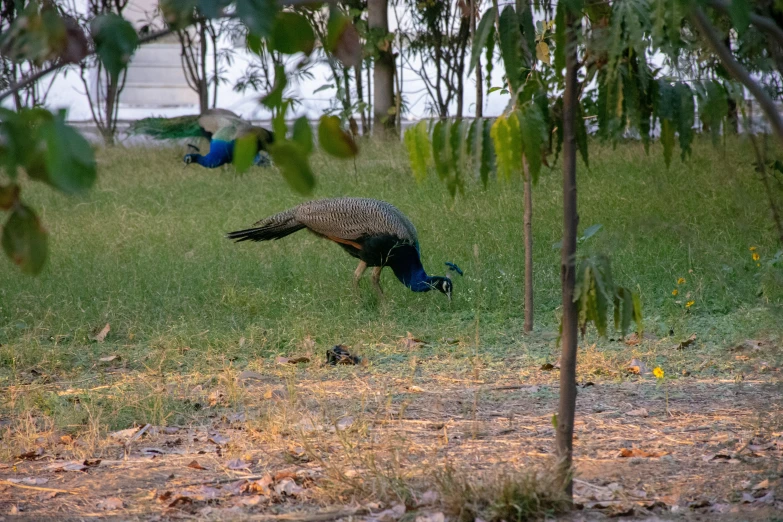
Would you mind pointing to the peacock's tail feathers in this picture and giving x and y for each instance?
(168, 128)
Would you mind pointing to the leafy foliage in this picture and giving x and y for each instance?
(115, 42)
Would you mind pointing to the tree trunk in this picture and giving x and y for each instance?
(474, 6)
(357, 72)
(565, 417)
(369, 98)
(383, 73)
(732, 116)
(111, 100)
(203, 84)
(528, 225)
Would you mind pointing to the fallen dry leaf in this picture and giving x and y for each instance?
(218, 439)
(641, 412)
(123, 434)
(428, 497)
(344, 423)
(288, 487)
(110, 504)
(547, 367)
(637, 367)
(410, 342)
(261, 486)
(687, 342)
(109, 358)
(415, 389)
(297, 360)
(216, 397)
(431, 517)
(66, 466)
(248, 376)
(636, 452)
(238, 464)
(388, 515)
(195, 465)
(31, 455)
(633, 339)
(764, 484)
(29, 481)
(101, 336)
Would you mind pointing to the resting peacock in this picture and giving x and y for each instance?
(222, 127)
(373, 231)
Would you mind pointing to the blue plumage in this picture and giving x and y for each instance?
(220, 153)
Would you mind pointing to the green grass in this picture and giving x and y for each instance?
(145, 251)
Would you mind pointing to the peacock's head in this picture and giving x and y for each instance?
(189, 158)
(443, 284)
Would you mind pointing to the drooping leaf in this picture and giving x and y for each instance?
(70, 163)
(713, 107)
(292, 33)
(529, 47)
(258, 15)
(245, 149)
(274, 98)
(418, 145)
(440, 147)
(303, 134)
(591, 231)
(560, 40)
(581, 134)
(293, 163)
(490, 55)
(740, 11)
(342, 39)
(542, 52)
(115, 41)
(667, 140)
(510, 47)
(334, 140)
(501, 139)
(25, 241)
(533, 130)
(481, 36)
(488, 160)
(685, 118)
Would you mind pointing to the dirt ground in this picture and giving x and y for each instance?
(366, 447)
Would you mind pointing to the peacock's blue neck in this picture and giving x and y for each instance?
(220, 153)
(407, 266)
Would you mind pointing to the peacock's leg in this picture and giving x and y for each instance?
(358, 274)
(376, 280)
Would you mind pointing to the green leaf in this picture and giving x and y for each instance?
(245, 150)
(115, 42)
(501, 139)
(293, 163)
(258, 15)
(667, 140)
(542, 52)
(534, 131)
(713, 107)
(637, 312)
(342, 39)
(417, 143)
(581, 134)
(292, 34)
(490, 55)
(685, 118)
(591, 231)
(488, 160)
(560, 40)
(9, 195)
(25, 241)
(476, 145)
(483, 31)
(303, 134)
(510, 47)
(740, 11)
(274, 98)
(324, 87)
(440, 148)
(334, 140)
(529, 36)
(69, 159)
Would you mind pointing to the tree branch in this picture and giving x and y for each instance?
(737, 70)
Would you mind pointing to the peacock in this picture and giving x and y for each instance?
(373, 231)
(221, 126)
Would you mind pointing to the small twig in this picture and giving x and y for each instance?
(38, 488)
(318, 516)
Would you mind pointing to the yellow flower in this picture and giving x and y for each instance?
(689, 304)
(681, 281)
(752, 249)
(755, 256)
(658, 372)
(758, 264)
(675, 292)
